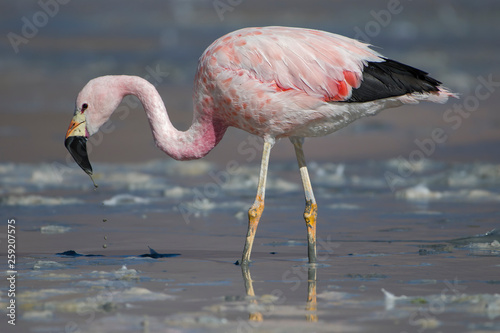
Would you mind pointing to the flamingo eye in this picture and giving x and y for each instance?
(84, 107)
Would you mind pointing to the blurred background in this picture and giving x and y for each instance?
(51, 48)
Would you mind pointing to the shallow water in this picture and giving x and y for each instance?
(386, 259)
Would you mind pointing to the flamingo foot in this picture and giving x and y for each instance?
(310, 215)
(254, 214)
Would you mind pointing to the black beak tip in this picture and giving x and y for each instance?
(77, 147)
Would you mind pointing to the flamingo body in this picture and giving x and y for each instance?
(281, 82)
(273, 82)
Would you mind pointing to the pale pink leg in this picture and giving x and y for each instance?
(310, 213)
(255, 212)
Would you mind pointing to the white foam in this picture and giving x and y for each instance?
(334, 296)
(47, 264)
(421, 192)
(43, 315)
(474, 175)
(176, 192)
(54, 229)
(491, 249)
(204, 204)
(34, 200)
(126, 199)
(391, 299)
(45, 175)
(344, 206)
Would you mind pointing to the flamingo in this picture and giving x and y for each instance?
(273, 82)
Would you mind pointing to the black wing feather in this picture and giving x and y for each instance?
(390, 78)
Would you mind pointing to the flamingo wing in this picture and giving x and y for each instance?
(391, 78)
(321, 64)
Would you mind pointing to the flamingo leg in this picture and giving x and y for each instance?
(311, 209)
(255, 212)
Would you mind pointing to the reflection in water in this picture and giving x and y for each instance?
(245, 271)
(311, 305)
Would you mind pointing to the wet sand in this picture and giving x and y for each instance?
(408, 229)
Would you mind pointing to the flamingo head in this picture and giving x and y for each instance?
(94, 105)
(76, 139)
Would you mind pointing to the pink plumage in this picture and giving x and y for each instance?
(273, 82)
(288, 58)
(279, 82)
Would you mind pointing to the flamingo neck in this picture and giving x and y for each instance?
(202, 136)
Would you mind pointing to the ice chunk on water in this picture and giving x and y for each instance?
(421, 192)
(474, 175)
(45, 175)
(334, 296)
(33, 200)
(129, 177)
(485, 249)
(44, 315)
(125, 199)
(391, 299)
(202, 205)
(54, 229)
(122, 273)
(47, 264)
(176, 192)
(126, 273)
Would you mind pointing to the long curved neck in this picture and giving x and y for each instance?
(202, 136)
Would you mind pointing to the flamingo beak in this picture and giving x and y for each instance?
(76, 143)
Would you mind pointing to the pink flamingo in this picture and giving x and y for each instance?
(274, 82)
